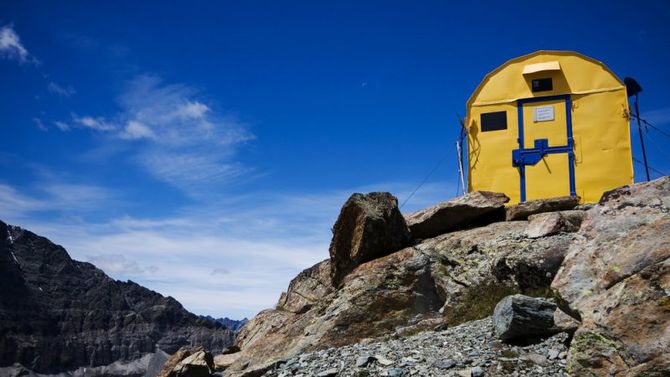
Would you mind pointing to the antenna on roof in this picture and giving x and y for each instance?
(633, 89)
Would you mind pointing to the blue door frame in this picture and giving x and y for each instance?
(523, 157)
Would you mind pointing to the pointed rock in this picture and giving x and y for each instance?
(369, 226)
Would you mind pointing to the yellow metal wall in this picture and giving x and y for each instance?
(490, 154)
(599, 121)
(602, 143)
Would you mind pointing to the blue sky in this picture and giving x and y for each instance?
(203, 149)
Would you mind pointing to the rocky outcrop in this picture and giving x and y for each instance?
(57, 314)
(369, 226)
(474, 209)
(606, 266)
(520, 317)
(616, 279)
(445, 280)
(522, 211)
(306, 289)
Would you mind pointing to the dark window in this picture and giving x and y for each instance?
(494, 121)
(542, 85)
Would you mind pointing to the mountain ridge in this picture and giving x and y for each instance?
(58, 314)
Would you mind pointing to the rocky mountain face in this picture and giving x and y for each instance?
(234, 325)
(603, 268)
(57, 314)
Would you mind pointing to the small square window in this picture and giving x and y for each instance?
(542, 85)
(494, 121)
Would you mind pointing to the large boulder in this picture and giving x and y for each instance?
(473, 209)
(520, 318)
(369, 226)
(616, 279)
(523, 210)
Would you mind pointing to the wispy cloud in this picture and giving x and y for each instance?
(97, 123)
(232, 257)
(185, 142)
(11, 47)
(657, 116)
(62, 126)
(39, 124)
(63, 91)
(135, 130)
(14, 204)
(53, 196)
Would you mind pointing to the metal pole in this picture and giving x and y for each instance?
(460, 165)
(639, 127)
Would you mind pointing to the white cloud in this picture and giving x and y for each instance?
(192, 146)
(136, 130)
(14, 204)
(176, 116)
(97, 123)
(77, 197)
(38, 122)
(12, 48)
(53, 196)
(192, 110)
(63, 91)
(188, 144)
(62, 126)
(116, 264)
(191, 171)
(229, 257)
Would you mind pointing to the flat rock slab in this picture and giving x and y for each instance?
(523, 210)
(550, 223)
(476, 208)
(369, 226)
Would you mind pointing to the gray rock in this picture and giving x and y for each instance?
(188, 362)
(615, 280)
(521, 211)
(362, 361)
(476, 208)
(546, 224)
(369, 226)
(536, 358)
(553, 354)
(383, 361)
(445, 364)
(332, 372)
(477, 372)
(564, 322)
(520, 317)
(395, 372)
(306, 289)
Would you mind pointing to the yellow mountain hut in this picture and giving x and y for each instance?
(548, 124)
